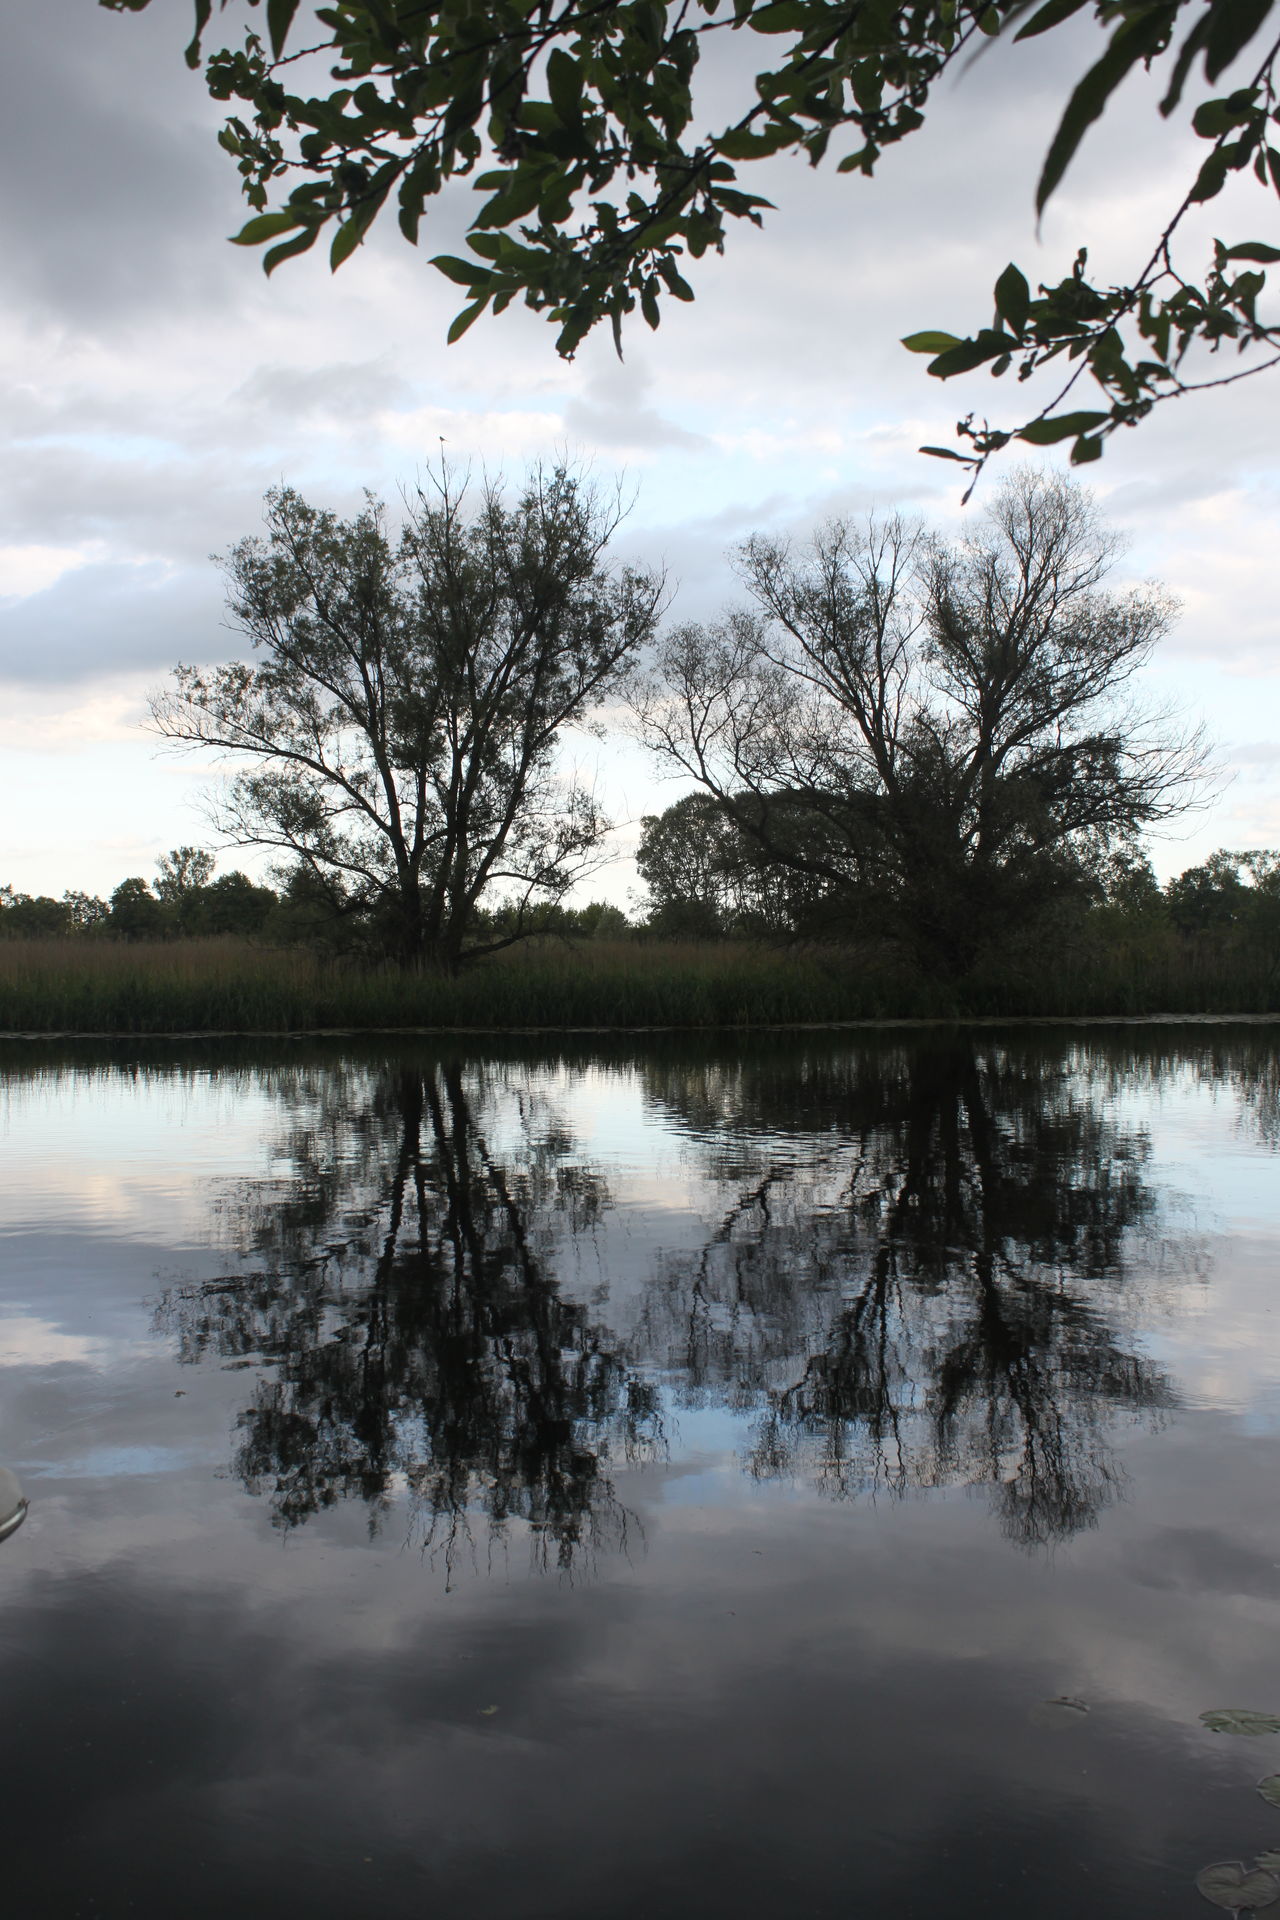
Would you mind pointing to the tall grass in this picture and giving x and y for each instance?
(228, 986)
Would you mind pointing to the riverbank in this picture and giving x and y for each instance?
(229, 986)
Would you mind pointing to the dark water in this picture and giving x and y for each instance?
(670, 1481)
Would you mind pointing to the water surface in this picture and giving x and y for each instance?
(686, 1479)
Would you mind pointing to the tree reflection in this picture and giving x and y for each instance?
(936, 1292)
(921, 1274)
(410, 1321)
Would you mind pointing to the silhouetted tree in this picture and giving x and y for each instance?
(402, 720)
(706, 876)
(135, 912)
(182, 871)
(957, 716)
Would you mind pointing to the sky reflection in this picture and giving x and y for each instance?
(846, 1401)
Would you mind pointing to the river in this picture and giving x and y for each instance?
(816, 1474)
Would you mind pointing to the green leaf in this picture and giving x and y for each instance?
(1047, 433)
(1240, 1720)
(782, 16)
(279, 19)
(1232, 24)
(564, 84)
(1270, 1789)
(204, 12)
(740, 143)
(306, 238)
(1235, 1888)
(487, 245)
(345, 242)
(1211, 118)
(264, 226)
(1191, 46)
(1254, 250)
(520, 194)
(463, 320)
(1085, 450)
(464, 273)
(987, 345)
(1131, 42)
(1050, 15)
(929, 342)
(947, 453)
(1013, 297)
(1211, 178)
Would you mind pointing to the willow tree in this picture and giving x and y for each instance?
(397, 733)
(957, 722)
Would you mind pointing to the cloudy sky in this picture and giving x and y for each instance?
(154, 384)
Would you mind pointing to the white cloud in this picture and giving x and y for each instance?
(40, 719)
(415, 438)
(33, 568)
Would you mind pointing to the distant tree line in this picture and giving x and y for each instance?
(184, 901)
(704, 880)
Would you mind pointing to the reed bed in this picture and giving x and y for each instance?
(230, 986)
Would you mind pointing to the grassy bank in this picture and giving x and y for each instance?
(79, 986)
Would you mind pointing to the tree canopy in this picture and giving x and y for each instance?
(397, 735)
(943, 734)
(581, 127)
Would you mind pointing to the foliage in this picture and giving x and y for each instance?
(1216, 898)
(185, 900)
(597, 920)
(231, 904)
(1240, 1720)
(25, 916)
(86, 913)
(136, 914)
(181, 872)
(400, 728)
(956, 717)
(707, 877)
(605, 185)
(1236, 1888)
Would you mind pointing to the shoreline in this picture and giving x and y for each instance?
(522, 1030)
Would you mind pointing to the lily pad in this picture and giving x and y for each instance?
(1270, 1788)
(1271, 1860)
(1062, 1712)
(13, 1506)
(1240, 1720)
(1235, 1888)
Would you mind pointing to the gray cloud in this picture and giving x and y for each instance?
(339, 391)
(111, 192)
(613, 412)
(113, 618)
